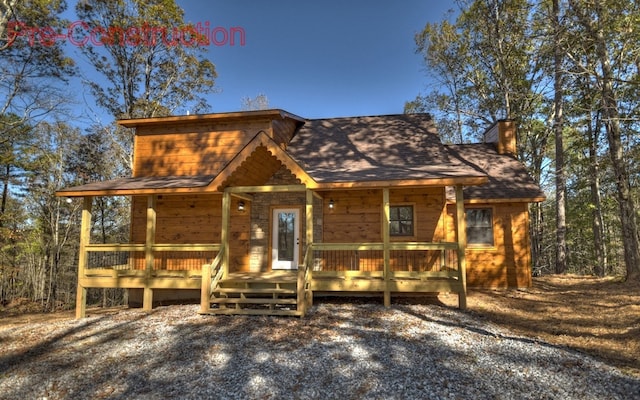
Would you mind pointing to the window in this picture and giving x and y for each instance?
(401, 220)
(480, 226)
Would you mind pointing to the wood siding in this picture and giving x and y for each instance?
(191, 149)
(508, 262)
(187, 219)
(357, 214)
(357, 217)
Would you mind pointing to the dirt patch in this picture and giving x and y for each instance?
(600, 317)
(22, 311)
(597, 316)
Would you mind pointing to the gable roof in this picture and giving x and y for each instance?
(261, 143)
(370, 151)
(508, 178)
(261, 146)
(403, 147)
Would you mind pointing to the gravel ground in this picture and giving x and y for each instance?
(339, 351)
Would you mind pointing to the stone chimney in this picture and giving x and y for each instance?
(503, 134)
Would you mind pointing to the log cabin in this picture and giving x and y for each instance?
(257, 212)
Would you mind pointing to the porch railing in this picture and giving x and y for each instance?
(424, 258)
(160, 260)
(387, 268)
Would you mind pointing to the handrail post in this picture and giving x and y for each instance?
(300, 292)
(211, 274)
(205, 289)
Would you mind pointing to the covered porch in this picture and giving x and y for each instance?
(212, 267)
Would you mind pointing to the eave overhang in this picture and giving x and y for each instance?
(198, 118)
(141, 186)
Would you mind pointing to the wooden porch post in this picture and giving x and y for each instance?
(461, 234)
(224, 231)
(309, 216)
(386, 240)
(85, 238)
(303, 301)
(147, 299)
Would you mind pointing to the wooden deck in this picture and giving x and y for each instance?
(291, 292)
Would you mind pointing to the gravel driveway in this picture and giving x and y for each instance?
(339, 351)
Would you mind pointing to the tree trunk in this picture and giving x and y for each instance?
(561, 180)
(625, 200)
(536, 215)
(598, 221)
(5, 194)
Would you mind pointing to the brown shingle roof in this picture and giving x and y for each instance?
(368, 150)
(148, 184)
(508, 178)
(375, 148)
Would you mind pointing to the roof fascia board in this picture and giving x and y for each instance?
(135, 122)
(133, 192)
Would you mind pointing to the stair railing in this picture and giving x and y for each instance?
(211, 275)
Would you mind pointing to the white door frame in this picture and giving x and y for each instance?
(285, 261)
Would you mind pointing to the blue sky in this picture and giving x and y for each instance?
(319, 58)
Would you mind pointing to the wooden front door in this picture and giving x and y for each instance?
(285, 238)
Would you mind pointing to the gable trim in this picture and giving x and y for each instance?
(262, 139)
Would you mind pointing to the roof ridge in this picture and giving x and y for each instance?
(373, 116)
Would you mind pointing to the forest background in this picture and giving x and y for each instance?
(567, 72)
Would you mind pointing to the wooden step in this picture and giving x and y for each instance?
(238, 300)
(274, 280)
(252, 311)
(254, 290)
(274, 294)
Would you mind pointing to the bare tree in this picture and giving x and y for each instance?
(260, 102)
